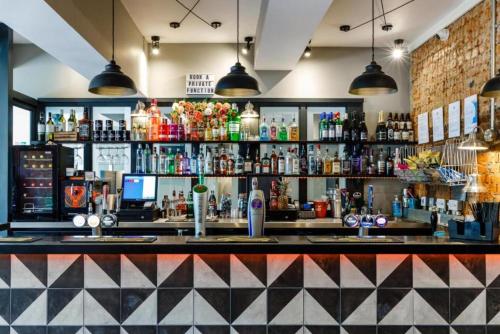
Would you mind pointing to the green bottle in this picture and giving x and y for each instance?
(190, 206)
(234, 123)
(170, 162)
(282, 132)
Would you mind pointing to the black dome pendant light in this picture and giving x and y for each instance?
(492, 87)
(373, 81)
(112, 81)
(237, 82)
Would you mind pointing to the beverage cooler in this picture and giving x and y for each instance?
(38, 174)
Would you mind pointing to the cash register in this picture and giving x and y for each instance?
(138, 202)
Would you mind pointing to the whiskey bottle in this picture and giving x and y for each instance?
(266, 164)
(257, 167)
(84, 127)
(247, 169)
(274, 161)
(281, 162)
(294, 131)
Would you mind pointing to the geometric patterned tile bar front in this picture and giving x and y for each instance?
(249, 293)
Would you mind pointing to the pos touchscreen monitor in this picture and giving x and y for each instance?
(139, 188)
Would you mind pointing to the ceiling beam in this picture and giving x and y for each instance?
(284, 30)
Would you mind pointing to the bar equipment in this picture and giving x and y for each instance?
(200, 201)
(38, 172)
(256, 210)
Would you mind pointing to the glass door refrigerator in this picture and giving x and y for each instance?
(38, 174)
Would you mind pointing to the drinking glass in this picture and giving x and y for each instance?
(125, 158)
(78, 159)
(117, 160)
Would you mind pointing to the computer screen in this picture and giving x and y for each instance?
(139, 188)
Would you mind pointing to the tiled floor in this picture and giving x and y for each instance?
(253, 293)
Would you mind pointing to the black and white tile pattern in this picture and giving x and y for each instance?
(250, 293)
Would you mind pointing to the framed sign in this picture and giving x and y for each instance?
(200, 84)
(470, 113)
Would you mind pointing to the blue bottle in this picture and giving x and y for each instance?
(397, 207)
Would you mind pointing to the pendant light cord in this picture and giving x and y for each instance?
(113, 29)
(237, 30)
(373, 30)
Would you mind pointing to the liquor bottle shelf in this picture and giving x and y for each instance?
(306, 142)
(243, 176)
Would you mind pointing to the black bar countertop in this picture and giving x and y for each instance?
(285, 244)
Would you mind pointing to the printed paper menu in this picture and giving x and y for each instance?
(437, 124)
(423, 128)
(454, 119)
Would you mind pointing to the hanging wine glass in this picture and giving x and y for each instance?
(117, 160)
(125, 158)
(78, 159)
(100, 158)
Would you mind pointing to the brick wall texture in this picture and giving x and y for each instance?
(446, 71)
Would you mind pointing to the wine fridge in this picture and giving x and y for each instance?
(38, 175)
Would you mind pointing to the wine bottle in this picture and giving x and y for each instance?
(381, 130)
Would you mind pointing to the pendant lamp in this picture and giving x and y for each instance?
(112, 81)
(492, 87)
(237, 82)
(373, 81)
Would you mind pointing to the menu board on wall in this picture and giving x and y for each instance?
(454, 119)
(437, 124)
(470, 113)
(423, 128)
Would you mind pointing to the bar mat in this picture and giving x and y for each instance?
(232, 239)
(83, 239)
(13, 240)
(354, 240)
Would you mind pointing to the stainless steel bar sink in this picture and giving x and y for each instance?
(108, 239)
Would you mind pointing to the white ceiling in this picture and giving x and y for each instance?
(409, 22)
(19, 39)
(152, 17)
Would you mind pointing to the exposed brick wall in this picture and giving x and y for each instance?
(446, 71)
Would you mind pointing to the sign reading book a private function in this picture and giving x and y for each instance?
(200, 84)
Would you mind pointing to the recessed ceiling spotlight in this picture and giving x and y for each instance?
(215, 24)
(345, 27)
(307, 51)
(443, 34)
(174, 25)
(399, 49)
(155, 45)
(248, 46)
(387, 27)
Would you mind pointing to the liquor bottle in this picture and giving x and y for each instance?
(346, 163)
(208, 132)
(247, 168)
(222, 162)
(295, 162)
(381, 130)
(139, 160)
(319, 161)
(154, 161)
(212, 205)
(40, 128)
(288, 162)
(273, 130)
(72, 122)
(163, 131)
(239, 166)
(216, 162)
(264, 131)
(223, 131)
(274, 161)
(186, 164)
(234, 123)
(389, 163)
(381, 163)
(200, 164)
(409, 126)
(293, 130)
(163, 167)
(363, 131)
(209, 170)
(336, 166)
(339, 128)
(404, 133)
(257, 167)
(311, 161)
(346, 129)
(397, 129)
(153, 113)
(147, 159)
(303, 161)
(355, 162)
(231, 164)
(323, 128)
(354, 130)
(390, 128)
(178, 162)
(170, 162)
(84, 126)
(402, 122)
(363, 163)
(372, 167)
(190, 205)
(281, 162)
(266, 164)
(215, 131)
(331, 128)
(282, 132)
(327, 163)
(181, 131)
